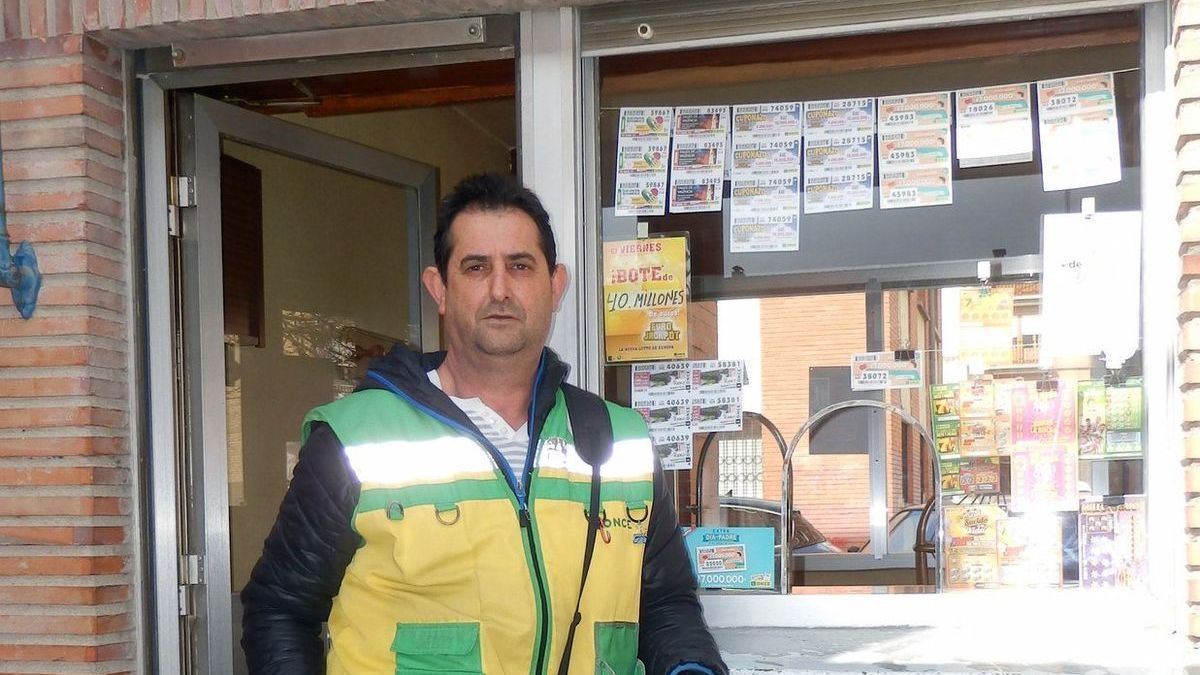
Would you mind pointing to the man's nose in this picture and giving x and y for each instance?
(500, 284)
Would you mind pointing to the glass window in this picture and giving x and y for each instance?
(1025, 436)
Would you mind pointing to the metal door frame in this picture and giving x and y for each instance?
(188, 430)
(211, 122)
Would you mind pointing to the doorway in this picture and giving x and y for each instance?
(306, 208)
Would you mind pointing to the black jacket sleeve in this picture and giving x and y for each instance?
(293, 584)
(672, 629)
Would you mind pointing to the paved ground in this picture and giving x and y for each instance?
(837, 651)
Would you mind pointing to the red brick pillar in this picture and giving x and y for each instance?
(66, 530)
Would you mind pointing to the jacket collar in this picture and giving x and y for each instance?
(407, 370)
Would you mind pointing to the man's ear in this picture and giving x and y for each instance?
(436, 286)
(558, 283)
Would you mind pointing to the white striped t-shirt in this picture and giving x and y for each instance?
(512, 443)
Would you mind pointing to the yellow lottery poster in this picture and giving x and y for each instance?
(645, 300)
(987, 306)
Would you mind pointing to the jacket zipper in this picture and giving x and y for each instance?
(524, 516)
(528, 522)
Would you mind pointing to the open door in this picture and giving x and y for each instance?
(298, 259)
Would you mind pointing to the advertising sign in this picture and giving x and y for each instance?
(732, 557)
(645, 300)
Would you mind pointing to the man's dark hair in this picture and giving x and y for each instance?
(490, 192)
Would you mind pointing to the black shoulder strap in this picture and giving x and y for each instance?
(590, 424)
(592, 431)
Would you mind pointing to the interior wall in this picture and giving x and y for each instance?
(330, 254)
(334, 246)
(459, 140)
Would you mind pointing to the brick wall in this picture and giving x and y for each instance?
(797, 333)
(902, 329)
(1187, 86)
(66, 601)
(141, 23)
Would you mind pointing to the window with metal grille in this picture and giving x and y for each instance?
(741, 464)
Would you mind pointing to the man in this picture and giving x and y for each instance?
(468, 511)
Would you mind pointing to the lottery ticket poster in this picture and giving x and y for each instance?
(717, 395)
(917, 187)
(698, 155)
(914, 151)
(661, 381)
(643, 152)
(1112, 542)
(1123, 410)
(669, 416)
(1029, 549)
(970, 540)
(985, 317)
(1092, 422)
(872, 371)
(765, 212)
(674, 450)
(1044, 478)
(914, 111)
(993, 125)
(839, 117)
(765, 179)
(1045, 414)
(980, 475)
(680, 398)
(839, 155)
(951, 483)
(1081, 144)
(767, 120)
(662, 393)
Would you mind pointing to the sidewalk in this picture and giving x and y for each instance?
(796, 651)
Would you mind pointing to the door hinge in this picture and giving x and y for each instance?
(172, 220)
(191, 569)
(191, 574)
(183, 196)
(183, 191)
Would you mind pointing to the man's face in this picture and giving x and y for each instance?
(499, 294)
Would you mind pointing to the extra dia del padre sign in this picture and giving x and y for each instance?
(732, 557)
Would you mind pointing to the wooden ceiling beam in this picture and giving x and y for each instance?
(416, 98)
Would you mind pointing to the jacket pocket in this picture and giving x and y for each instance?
(616, 648)
(427, 648)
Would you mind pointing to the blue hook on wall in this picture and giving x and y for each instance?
(18, 271)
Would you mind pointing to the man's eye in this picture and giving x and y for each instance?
(520, 266)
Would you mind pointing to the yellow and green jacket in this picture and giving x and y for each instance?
(408, 531)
